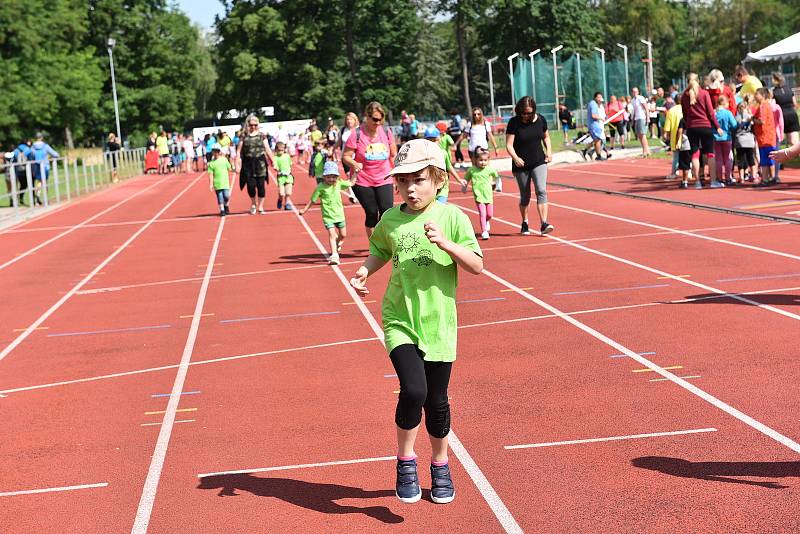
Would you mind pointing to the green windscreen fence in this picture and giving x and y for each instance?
(577, 78)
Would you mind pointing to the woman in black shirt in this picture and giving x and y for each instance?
(785, 99)
(113, 148)
(528, 143)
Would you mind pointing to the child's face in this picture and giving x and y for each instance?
(279, 149)
(215, 154)
(330, 179)
(483, 161)
(319, 146)
(759, 98)
(417, 189)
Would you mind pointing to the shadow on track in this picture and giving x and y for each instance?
(311, 495)
(317, 258)
(772, 299)
(721, 471)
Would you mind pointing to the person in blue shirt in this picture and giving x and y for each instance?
(414, 125)
(20, 155)
(41, 153)
(596, 118)
(723, 143)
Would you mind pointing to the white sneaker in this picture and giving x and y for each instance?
(485, 235)
(333, 260)
(488, 226)
(252, 210)
(499, 186)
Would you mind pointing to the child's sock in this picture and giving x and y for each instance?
(439, 464)
(406, 458)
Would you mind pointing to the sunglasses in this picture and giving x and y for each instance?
(526, 113)
(376, 119)
(253, 125)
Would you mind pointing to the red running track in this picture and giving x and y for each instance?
(277, 390)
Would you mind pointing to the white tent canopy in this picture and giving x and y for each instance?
(785, 50)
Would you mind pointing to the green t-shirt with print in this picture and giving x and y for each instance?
(482, 180)
(318, 164)
(218, 170)
(445, 141)
(419, 306)
(330, 198)
(283, 164)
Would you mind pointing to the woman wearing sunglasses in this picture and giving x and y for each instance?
(252, 155)
(369, 152)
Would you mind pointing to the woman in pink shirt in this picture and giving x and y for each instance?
(369, 152)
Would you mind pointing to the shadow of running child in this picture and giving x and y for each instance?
(311, 495)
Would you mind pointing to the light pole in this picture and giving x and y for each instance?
(603, 60)
(555, 78)
(491, 84)
(749, 42)
(111, 44)
(649, 65)
(580, 85)
(533, 72)
(511, 74)
(625, 55)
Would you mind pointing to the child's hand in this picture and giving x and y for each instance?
(359, 282)
(302, 212)
(463, 186)
(435, 235)
(210, 187)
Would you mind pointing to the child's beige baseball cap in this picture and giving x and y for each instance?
(417, 154)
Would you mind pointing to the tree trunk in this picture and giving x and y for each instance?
(462, 54)
(349, 15)
(68, 139)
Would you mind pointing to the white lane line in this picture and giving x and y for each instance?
(49, 490)
(150, 488)
(197, 362)
(612, 438)
(79, 225)
(663, 379)
(198, 278)
(681, 232)
(727, 408)
(42, 318)
(298, 466)
(487, 491)
(671, 276)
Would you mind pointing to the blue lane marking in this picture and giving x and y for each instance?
(154, 395)
(765, 277)
(611, 289)
(480, 300)
(269, 317)
(625, 355)
(112, 330)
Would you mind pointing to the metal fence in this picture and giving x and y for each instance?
(33, 186)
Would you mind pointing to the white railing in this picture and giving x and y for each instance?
(35, 185)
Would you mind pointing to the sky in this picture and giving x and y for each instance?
(201, 11)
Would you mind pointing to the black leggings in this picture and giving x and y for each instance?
(256, 184)
(374, 200)
(422, 385)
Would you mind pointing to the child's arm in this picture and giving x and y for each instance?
(305, 208)
(370, 266)
(467, 259)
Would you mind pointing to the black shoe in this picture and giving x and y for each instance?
(227, 210)
(546, 228)
(222, 213)
(523, 229)
(442, 489)
(407, 487)
(684, 185)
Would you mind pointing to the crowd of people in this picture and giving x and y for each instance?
(723, 132)
(29, 160)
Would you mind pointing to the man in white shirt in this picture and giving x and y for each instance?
(640, 117)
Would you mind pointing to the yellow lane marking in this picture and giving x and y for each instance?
(651, 370)
(164, 411)
(39, 328)
(353, 303)
(683, 377)
(522, 288)
(676, 276)
(206, 265)
(190, 316)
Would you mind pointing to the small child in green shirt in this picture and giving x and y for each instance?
(483, 179)
(329, 194)
(426, 241)
(318, 158)
(283, 164)
(219, 179)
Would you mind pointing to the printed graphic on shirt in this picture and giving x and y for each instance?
(407, 243)
(376, 152)
(424, 258)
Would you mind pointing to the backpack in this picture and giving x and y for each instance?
(313, 160)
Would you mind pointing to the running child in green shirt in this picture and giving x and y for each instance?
(283, 164)
(318, 158)
(426, 241)
(329, 194)
(219, 179)
(483, 179)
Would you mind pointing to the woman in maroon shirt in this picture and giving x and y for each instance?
(701, 121)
